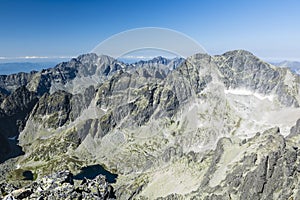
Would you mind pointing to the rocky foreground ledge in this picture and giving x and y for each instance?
(60, 185)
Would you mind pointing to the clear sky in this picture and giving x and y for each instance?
(57, 28)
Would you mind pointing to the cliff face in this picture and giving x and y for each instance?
(262, 167)
(14, 109)
(170, 128)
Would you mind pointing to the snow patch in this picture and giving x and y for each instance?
(104, 109)
(245, 92)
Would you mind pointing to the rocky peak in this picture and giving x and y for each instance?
(241, 69)
(155, 60)
(90, 57)
(136, 119)
(236, 53)
(159, 60)
(94, 58)
(295, 130)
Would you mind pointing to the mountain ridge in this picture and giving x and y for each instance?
(136, 119)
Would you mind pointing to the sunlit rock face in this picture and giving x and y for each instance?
(205, 127)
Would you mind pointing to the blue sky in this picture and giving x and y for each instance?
(49, 28)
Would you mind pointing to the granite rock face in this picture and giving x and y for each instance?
(295, 130)
(243, 69)
(205, 127)
(15, 108)
(259, 174)
(9, 83)
(267, 168)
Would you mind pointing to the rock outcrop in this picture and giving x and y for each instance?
(265, 168)
(60, 185)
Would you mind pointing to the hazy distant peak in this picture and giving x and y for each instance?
(294, 66)
(160, 60)
(287, 63)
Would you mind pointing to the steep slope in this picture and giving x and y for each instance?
(77, 77)
(166, 130)
(242, 69)
(9, 83)
(14, 109)
(262, 167)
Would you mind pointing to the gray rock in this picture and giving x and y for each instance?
(61, 186)
(295, 130)
(152, 96)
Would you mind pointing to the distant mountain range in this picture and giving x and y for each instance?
(293, 65)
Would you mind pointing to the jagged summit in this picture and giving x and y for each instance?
(92, 57)
(160, 60)
(239, 52)
(166, 127)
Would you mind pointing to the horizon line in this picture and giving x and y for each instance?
(16, 59)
